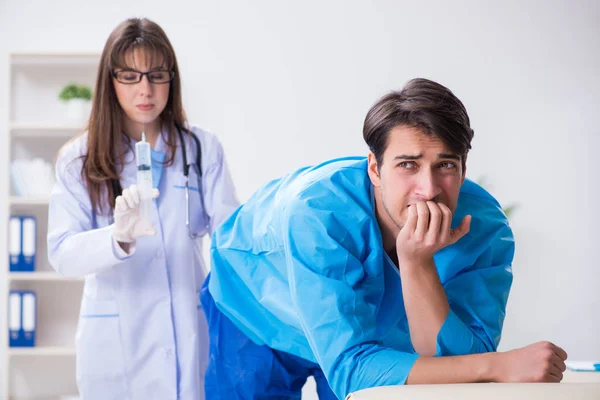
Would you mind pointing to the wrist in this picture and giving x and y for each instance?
(415, 263)
(120, 237)
(488, 367)
(123, 249)
(124, 246)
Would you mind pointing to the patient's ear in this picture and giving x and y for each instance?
(373, 170)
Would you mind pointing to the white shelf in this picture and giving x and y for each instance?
(41, 351)
(46, 130)
(45, 59)
(28, 201)
(37, 127)
(39, 276)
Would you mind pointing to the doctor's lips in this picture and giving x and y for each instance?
(145, 107)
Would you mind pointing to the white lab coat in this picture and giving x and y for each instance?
(141, 333)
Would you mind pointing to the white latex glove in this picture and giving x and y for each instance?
(128, 222)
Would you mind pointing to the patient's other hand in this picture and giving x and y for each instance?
(538, 362)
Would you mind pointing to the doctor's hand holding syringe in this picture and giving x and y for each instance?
(133, 209)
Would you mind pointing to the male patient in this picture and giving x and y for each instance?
(365, 272)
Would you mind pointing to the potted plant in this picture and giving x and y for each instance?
(77, 98)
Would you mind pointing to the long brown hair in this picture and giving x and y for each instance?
(107, 144)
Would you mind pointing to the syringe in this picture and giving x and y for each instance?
(144, 181)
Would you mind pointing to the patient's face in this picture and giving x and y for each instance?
(416, 167)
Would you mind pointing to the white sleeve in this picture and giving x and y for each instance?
(219, 195)
(75, 249)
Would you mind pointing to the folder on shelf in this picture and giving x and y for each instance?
(22, 243)
(28, 243)
(28, 317)
(22, 318)
(14, 318)
(14, 243)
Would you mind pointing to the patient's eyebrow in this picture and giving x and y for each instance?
(449, 155)
(408, 157)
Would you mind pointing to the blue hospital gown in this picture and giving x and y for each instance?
(301, 268)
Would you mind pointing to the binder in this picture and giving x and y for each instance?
(22, 318)
(28, 318)
(14, 243)
(22, 243)
(14, 318)
(28, 243)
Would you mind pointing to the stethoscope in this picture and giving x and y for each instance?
(186, 173)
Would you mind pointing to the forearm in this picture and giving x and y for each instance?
(471, 368)
(425, 303)
(98, 246)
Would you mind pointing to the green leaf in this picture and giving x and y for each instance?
(74, 91)
(508, 210)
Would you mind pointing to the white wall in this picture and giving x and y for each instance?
(285, 84)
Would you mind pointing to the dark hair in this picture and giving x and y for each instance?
(422, 104)
(106, 140)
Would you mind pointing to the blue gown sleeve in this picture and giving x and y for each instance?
(336, 299)
(477, 297)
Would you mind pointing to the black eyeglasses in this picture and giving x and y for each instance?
(129, 77)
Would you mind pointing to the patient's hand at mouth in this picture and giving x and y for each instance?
(427, 230)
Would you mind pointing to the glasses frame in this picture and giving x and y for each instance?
(171, 76)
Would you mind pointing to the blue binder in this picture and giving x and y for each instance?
(22, 315)
(14, 318)
(22, 243)
(14, 243)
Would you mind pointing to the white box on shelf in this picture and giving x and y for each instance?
(32, 177)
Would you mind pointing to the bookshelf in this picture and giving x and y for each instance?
(38, 128)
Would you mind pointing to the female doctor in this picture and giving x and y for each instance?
(141, 333)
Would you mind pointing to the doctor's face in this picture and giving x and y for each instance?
(416, 167)
(142, 102)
